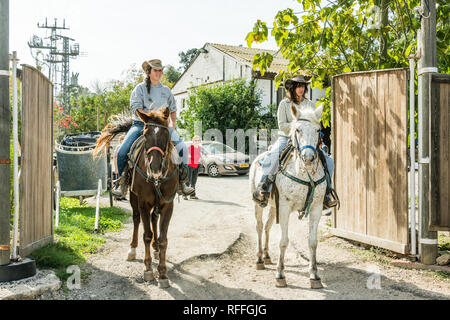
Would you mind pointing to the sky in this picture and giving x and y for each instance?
(116, 34)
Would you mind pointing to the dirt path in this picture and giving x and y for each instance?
(211, 255)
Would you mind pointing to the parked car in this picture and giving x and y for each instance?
(220, 159)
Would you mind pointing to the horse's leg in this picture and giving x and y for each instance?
(155, 244)
(164, 221)
(259, 229)
(314, 219)
(268, 226)
(145, 215)
(284, 241)
(136, 221)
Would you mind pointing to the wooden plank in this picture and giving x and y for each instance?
(29, 248)
(24, 168)
(374, 241)
(445, 154)
(439, 152)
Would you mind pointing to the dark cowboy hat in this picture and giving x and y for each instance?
(155, 64)
(297, 78)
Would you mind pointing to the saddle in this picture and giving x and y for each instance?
(135, 150)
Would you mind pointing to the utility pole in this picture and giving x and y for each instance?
(426, 64)
(58, 55)
(5, 160)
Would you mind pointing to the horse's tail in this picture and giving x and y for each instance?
(117, 124)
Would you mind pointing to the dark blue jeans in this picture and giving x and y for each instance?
(134, 133)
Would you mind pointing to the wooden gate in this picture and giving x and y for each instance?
(36, 188)
(439, 152)
(369, 130)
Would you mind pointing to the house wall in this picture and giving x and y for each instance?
(209, 68)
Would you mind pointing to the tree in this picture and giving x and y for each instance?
(171, 74)
(212, 105)
(186, 58)
(347, 36)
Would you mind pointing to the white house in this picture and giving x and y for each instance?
(217, 63)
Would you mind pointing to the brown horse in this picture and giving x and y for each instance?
(152, 187)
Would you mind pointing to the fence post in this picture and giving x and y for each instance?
(427, 64)
(5, 161)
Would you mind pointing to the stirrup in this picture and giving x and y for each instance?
(331, 200)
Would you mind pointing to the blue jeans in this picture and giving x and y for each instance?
(270, 162)
(134, 133)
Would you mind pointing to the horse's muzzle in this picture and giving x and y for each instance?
(308, 157)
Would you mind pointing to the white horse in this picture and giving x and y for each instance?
(303, 165)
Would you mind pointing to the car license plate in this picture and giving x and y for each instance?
(244, 165)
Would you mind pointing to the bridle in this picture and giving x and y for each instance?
(163, 152)
(300, 149)
(165, 177)
(310, 183)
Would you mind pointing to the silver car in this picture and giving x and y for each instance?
(219, 159)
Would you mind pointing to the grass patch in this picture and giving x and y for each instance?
(443, 242)
(75, 239)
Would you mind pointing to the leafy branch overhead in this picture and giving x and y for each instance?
(326, 38)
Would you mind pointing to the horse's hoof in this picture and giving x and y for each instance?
(149, 276)
(260, 266)
(267, 261)
(164, 283)
(316, 284)
(131, 255)
(156, 255)
(281, 283)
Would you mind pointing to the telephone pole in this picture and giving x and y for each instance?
(5, 160)
(426, 64)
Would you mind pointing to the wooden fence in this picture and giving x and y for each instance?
(439, 152)
(369, 130)
(36, 187)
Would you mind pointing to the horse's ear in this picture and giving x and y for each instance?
(319, 111)
(166, 113)
(142, 115)
(294, 112)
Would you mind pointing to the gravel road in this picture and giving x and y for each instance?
(212, 254)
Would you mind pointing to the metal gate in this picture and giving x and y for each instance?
(439, 152)
(369, 131)
(36, 187)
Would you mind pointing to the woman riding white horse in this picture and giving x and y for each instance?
(296, 96)
(301, 186)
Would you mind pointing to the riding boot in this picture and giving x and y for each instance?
(328, 202)
(261, 194)
(120, 186)
(183, 188)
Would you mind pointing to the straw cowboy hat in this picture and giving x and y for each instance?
(297, 78)
(155, 64)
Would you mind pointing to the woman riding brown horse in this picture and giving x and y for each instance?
(153, 186)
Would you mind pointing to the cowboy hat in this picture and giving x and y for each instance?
(155, 64)
(297, 78)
